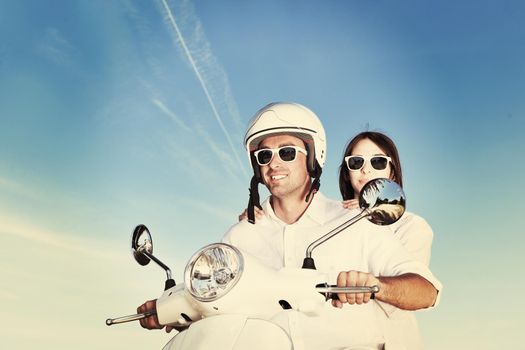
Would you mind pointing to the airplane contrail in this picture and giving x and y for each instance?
(202, 82)
(170, 114)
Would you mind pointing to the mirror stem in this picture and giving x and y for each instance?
(160, 263)
(308, 262)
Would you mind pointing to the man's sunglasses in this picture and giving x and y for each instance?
(355, 163)
(286, 153)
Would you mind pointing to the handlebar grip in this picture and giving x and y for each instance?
(331, 291)
(135, 317)
(334, 296)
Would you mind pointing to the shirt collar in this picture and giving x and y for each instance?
(316, 211)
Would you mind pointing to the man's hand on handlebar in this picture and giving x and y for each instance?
(354, 279)
(151, 322)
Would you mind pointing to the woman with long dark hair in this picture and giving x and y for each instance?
(371, 155)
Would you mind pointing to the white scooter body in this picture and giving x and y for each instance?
(247, 314)
(241, 319)
(249, 297)
(231, 332)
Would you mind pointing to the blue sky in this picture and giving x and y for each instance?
(125, 112)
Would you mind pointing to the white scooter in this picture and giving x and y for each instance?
(213, 308)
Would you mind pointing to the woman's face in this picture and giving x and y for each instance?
(358, 178)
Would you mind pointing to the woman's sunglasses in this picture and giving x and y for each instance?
(355, 163)
(286, 153)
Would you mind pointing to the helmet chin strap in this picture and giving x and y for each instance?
(254, 200)
(313, 188)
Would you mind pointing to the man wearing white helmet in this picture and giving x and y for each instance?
(286, 145)
(275, 122)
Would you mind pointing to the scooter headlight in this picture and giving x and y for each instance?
(213, 271)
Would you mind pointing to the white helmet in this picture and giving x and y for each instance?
(285, 118)
(291, 119)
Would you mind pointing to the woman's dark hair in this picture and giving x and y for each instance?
(382, 141)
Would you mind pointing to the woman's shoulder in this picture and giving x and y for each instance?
(410, 217)
(416, 235)
(411, 222)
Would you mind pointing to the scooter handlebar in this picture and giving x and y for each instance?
(331, 291)
(129, 318)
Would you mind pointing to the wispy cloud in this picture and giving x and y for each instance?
(170, 114)
(191, 164)
(17, 188)
(223, 214)
(224, 158)
(4, 55)
(55, 47)
(7, 295)
(206, 52)
(64, 241)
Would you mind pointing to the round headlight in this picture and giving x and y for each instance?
(213, 271)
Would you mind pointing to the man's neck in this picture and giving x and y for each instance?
(290, 209)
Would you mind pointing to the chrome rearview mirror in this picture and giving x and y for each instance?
(142, 249)
(382, 201)
(141, 245)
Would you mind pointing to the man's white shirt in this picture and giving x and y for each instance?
(362, 247)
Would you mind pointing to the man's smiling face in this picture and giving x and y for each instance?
(285, 178)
